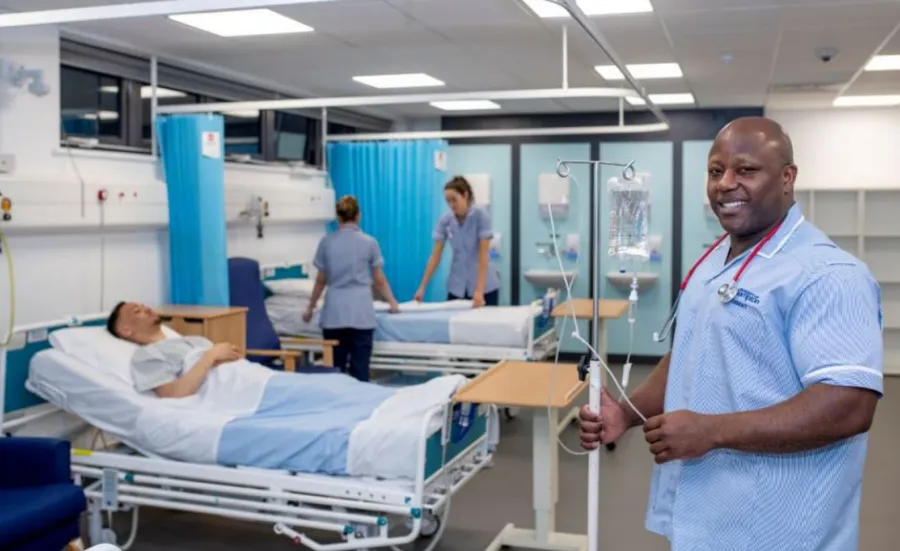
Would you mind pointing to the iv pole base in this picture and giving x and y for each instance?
(524, 538)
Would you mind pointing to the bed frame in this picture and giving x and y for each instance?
(360, 513)
(464, 359)
(444, 358)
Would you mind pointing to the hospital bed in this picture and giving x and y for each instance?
(445, 337)
(230, 451)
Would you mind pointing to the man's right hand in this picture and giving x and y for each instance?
(420, 294)
(225, 352)
(603, 428)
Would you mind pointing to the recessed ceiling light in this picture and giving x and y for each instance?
(645, 71)
(867, 101)
(884, 63)
(242, 22)
(147, 92)
(408, 80)
(465, 105)
(664, 99)
(101, 115)
(545, 9)
(249, 114)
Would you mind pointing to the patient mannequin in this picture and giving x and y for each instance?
(158, 364)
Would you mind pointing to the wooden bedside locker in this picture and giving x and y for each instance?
(218, 324)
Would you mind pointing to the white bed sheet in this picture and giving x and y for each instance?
(384, 446)
(110, 403)
(493, 326)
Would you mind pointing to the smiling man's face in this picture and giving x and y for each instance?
(750, 176)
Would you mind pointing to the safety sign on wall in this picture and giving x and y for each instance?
(440, 160)
(211, 146)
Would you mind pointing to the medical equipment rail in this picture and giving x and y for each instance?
(359, 511)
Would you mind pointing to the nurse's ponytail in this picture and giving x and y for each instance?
(461, 186)
(347, 209)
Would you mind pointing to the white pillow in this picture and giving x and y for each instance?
(292, 287)
(96, 347)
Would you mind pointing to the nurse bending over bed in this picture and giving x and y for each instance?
(468, 229)
(158, 364)
(349, 261)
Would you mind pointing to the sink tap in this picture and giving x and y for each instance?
(546, 248)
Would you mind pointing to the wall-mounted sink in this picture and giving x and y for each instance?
(549, 279)
(623, 280)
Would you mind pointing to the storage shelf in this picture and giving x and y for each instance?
(864, 223)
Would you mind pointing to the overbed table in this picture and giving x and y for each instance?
(546, 388)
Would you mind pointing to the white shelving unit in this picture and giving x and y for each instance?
(866, 223)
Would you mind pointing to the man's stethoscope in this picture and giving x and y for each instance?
(726, 292)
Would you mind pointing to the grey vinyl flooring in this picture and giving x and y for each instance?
(503, 494)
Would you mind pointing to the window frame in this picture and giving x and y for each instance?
(133, 71)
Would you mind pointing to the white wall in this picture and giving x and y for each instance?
(72, 256)
(844, 148)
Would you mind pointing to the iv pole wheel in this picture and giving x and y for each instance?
(510, 413)
(611, 447)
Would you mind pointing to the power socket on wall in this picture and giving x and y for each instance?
(7, 163)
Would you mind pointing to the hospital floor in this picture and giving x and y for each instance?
(503, 494)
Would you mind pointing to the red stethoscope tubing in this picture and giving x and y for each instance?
(743, 267)
(724, 290)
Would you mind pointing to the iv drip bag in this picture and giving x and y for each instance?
(629, 217)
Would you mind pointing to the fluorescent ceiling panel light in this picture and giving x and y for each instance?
(545, 9)
(408, 80)
(132, 10)
(249, 114)
(465, 105)
(867, 101)
(242, 23)
(101, 115)
(147, 93)
(884, 63)
(664, 99)
(641, 71)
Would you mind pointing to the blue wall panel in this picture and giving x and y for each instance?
(537, 159)
(494, 160)
(654, 302)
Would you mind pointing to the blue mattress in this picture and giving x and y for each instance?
(420, 327)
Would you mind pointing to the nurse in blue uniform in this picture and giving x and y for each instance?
(349, 262)
(468, 229)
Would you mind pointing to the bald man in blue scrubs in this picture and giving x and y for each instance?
(758, 416)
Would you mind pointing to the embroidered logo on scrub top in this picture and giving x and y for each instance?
(745, 297)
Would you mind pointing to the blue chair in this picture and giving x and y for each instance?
(40, 506)
(264, 346)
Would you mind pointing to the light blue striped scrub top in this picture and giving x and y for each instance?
(806, 313)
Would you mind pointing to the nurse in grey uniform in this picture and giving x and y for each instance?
(349, 262)
(468, 229)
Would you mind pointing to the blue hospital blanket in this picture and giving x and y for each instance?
(302, 424)
(432, 327)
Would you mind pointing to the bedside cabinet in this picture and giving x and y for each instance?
(218, 324)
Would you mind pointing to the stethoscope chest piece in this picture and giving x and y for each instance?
(727, 292)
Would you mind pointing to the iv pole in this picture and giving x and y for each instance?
(592, 368)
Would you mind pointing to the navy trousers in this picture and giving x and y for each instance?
(353, 353)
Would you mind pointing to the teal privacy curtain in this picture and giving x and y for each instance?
(396, 183)
(191, 147)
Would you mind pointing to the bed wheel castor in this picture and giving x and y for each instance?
(611, 447)
(430, 526)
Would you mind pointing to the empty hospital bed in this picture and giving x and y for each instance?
(298, 451)
(446, 337)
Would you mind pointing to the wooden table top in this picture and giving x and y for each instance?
(584, 309)
(204, 312)
(524, 384)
